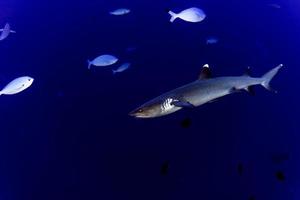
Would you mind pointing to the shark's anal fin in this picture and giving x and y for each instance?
(250, 90)
(182, 104)
(205, 72)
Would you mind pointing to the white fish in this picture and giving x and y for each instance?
(5, 32)
(122, 68)
(121, 11)
(102, 61)
(189, 15)
(212, 40)
(17, 85)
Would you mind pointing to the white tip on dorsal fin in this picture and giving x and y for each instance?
(205, 72)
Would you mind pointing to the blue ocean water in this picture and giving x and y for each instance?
(69, 135)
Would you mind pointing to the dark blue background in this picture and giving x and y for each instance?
(69, 135)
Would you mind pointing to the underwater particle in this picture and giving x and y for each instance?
(212, 40)
(122, 68)
(189, 15)
(186, 123)
(240, 169)
(6, 31)
(251, 197)
(17, 85)
(164, 170)
(102, 61)
(280, 176)
(120, 11)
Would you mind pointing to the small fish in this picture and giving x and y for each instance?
(186, 123)
(279, 158)
(252, 197)
(189, 15)
(122, 68)
(17, 85)
(240, 169)
(212, 40)
(5, 32)
(131, 49)
(164, 170)
(121, 11)
(102, 61)
(280, 176)
(273, 5)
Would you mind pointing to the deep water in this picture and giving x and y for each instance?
(69, 135)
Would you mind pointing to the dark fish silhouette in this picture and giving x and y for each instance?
(252, 197)
(280, 176)
(186, 123)
(280, 158)
(164, 170)
(240, 169)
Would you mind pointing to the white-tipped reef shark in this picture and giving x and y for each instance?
(204, 90)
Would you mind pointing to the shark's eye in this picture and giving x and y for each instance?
(140, 110)
(29, 79)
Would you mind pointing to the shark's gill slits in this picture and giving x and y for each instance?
(167, 105)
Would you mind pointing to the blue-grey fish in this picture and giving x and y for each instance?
(120, 11)
(122, 68)
(102, 61)
(5, 32)
(212, 40)
(189, 15)
(201, 91)
(17, 85)
(277, 6)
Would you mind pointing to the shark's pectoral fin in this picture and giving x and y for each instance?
(250, 90)
(182, 104)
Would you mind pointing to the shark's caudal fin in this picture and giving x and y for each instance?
(269, 76)
(173, 16)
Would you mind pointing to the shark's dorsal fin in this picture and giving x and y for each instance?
(247, 72)
(205, 72)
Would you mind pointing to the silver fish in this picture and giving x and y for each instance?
(5, 32)
(121, 11)
(17, 85)
(122, 68)
(189, 15)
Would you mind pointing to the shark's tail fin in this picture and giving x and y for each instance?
(173, 16)
(269, 76)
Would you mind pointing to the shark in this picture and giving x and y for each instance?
(201, 91)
